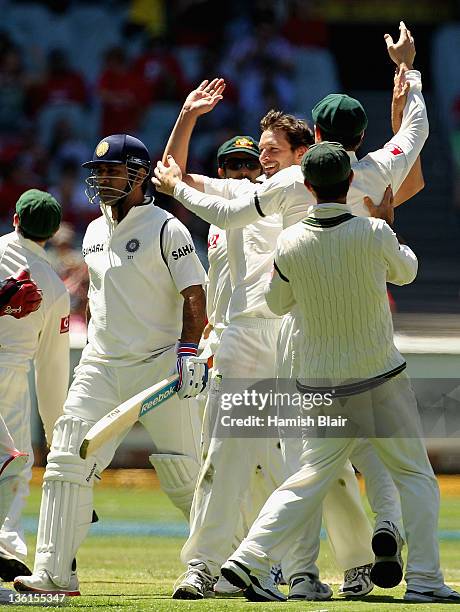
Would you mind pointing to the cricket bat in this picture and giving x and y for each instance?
(126, 414)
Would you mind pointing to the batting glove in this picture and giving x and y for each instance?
(19, 295)
(192, 370)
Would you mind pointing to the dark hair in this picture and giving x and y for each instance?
(28, 236)
(298, 134)
(332, 192)
(349, 143)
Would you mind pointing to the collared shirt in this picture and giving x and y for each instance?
(219, 286)
(334, 267)
(42, 336)
(250, 253)
(137, 271)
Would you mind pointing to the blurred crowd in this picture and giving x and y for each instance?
(73, 71)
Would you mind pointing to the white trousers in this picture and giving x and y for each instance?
(381, 491)
(236, 473)
(97, 388)
(6, 441)
(272, 534)
(15, 408)
(230, 471)
(350, 544)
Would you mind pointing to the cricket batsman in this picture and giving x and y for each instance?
(147, 314)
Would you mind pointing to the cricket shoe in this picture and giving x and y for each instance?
(11, 566)
(442, 595)
(223, 587)
(256, 588)
(196, 583)
(308, 587)
(387, 571)
(357, 582)
(40, 582)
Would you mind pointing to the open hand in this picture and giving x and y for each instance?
(166, 176)
(383, 211)
(205, 97)
(403, 51)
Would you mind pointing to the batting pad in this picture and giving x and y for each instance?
(177, 475)
(67, 501)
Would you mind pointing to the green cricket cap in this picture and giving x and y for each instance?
(39, 213)
(340, 115)
(326, 163)
(239, 144)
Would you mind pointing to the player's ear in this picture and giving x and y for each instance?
(220, 172)
(350, 178)
(309, 187)
(300, 152)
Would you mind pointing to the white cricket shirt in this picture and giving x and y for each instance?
(250, 252)
(336, 273)
(285, 192)
(137, 270)
(42, 336)
(219, 289)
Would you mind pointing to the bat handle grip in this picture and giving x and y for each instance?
(83, 449)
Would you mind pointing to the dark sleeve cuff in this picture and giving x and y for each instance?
(285, 278)
(257, 205)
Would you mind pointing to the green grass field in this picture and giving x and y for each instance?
(132, 572)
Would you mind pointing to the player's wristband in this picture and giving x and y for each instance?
(187, 349)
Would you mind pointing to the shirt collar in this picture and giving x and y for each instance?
(332, 209)
(132, 212)
(31, 246)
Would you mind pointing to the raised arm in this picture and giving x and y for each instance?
(414, 181)
(266, 199)
(199, 102)
(398, 156)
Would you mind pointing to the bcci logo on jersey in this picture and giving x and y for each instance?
(158, 398)
(132, 245)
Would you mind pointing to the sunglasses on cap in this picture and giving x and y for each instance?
(236, 163)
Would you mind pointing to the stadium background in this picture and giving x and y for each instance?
(73, 71)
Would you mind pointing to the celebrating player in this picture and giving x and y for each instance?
(283, 141)
(343, 119)
(146, 291)
(320, 267)
(42, 337)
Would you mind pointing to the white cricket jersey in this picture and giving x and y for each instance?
(250, 252)
(137, 270)
(219, 289)
(42, 336)
(285, 192)
(335, 269)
